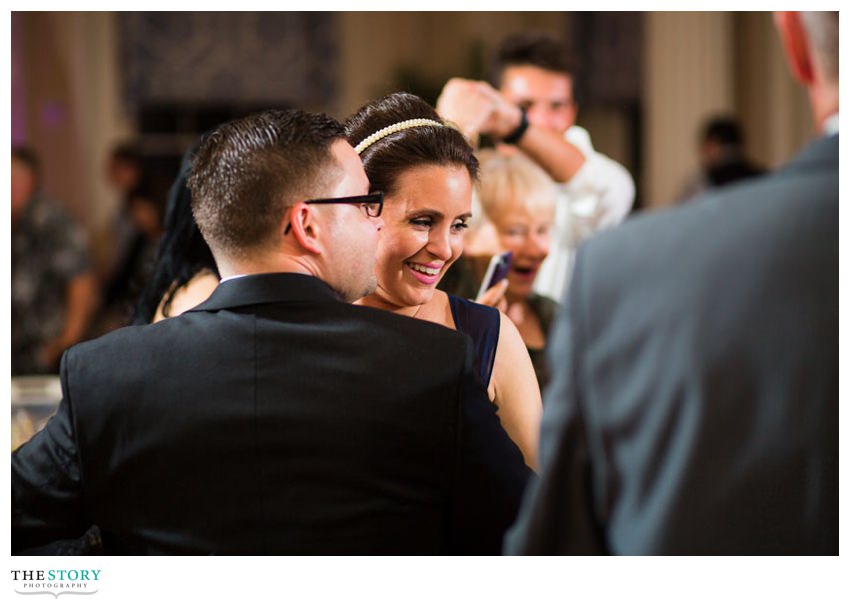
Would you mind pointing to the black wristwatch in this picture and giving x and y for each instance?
(518, 132)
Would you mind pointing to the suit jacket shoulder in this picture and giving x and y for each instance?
(695, 404)
(276, 419)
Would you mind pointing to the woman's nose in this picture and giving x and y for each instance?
(439, 244)
(537, 245)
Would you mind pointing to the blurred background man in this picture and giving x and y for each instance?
(53, 286)
(533, 107)
(722, 157)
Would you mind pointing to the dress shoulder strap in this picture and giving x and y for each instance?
(481, 323)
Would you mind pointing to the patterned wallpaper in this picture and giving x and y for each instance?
(610, 46)
(283, 58)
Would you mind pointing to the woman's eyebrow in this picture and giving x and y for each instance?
(434, 212)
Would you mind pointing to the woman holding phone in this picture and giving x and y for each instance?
(518, 198)
(426, 170)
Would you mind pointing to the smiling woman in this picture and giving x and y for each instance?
(426, 170)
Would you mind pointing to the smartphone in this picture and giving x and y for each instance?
(497, 270)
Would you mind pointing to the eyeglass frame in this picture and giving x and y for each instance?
(363, 200)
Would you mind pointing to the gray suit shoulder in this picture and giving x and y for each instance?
(793, 207)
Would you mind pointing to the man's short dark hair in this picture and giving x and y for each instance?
(725, 130)
(128, 153)
(247, 172)
(536, 49)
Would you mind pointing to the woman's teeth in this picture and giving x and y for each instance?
(424, 269)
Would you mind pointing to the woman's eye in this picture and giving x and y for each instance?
(460, 226)
(425, 222)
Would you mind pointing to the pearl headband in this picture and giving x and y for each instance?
(394, 128)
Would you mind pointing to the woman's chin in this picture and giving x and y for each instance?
(518, 292)
(419, 294)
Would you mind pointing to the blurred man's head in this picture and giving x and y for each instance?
(722, 138)
(536, 72)
(24, 177)
(251, 182)
(124, 167)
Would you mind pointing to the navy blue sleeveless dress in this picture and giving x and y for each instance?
(481, 323)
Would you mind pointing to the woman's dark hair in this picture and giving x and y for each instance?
(394, 154)
(182, 252)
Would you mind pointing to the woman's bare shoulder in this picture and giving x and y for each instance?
(194, 292)
(513, 372)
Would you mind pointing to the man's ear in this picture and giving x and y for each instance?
(305, 227)
(796, 45)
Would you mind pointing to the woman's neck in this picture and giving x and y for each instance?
(528, 324)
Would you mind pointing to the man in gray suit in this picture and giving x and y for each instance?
(695, 408)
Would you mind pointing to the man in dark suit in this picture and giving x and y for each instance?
(275, 417)
(696, 407)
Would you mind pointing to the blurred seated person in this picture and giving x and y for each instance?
(184, 273)
(133, 273)
(722, 158)
(124, 173)
(518, 200)
(53, 286)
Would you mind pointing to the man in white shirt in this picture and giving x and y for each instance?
(535, 110)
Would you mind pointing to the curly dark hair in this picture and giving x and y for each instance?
(183, 253)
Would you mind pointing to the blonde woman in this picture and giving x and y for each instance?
(518, 198)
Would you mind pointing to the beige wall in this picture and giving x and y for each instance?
(701, 63)
(73, 110)
(772, 105)
(374, 44)
(688, 76)
(695, 63)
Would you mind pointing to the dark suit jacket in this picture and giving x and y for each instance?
(273, 418)
(695, 405)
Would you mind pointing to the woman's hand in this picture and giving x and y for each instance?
(495, 296)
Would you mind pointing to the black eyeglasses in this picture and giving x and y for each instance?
(372, 204)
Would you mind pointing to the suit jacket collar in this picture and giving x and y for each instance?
(256, 289)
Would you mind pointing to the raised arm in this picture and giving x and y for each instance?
(477, 108)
